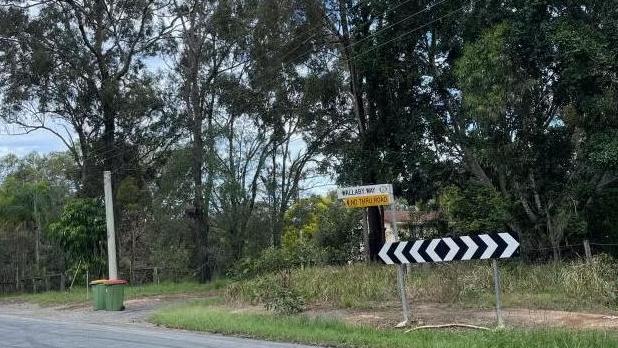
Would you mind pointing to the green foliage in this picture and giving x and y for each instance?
(17, 199)
(273, 260)
(475, 208)
(326, 224)
(280, 297)
(81, 232)
(603, 150)
(173, 260)
(302, 220)
(318, 231)
(484, 74)
(129, 195)
(339, 234)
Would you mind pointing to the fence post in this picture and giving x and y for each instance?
(62, 281)
(587, 250)
(155, 275)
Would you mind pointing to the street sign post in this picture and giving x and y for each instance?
(372, 196)
(492, 246)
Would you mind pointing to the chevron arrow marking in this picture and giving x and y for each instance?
(491, 246)
(454, 248)
(414, 252)
(431, 250)
(483, 246)
(512, 245)
(383, 252)
(472, 247)
(399, 252)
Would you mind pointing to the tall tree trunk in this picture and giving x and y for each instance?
(377, 235)
(199, 218)
(375, 219)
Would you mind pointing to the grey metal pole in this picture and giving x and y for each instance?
(401, 280)
(498, 291)
(111, 234)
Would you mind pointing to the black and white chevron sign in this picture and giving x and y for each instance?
(462, 248)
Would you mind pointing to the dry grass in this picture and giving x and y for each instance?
(565, 286)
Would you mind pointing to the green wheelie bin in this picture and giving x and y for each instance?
(114, 294)
(98, 294)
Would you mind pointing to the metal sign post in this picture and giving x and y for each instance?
(494, 263)
(372, 196)
(477, 247)
(401, 279)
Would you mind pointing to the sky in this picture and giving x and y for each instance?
(38, 141)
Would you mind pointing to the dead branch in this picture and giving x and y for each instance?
(443, 326)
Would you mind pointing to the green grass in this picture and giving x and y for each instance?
(78, 295)
(565, 286)
(301, 329)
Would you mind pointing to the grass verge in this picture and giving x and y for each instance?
(78, 295)
(201, 316)
(564, 286)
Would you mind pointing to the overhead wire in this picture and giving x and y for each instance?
(103, 155)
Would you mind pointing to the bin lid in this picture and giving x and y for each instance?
(115, 282)
(97, 282)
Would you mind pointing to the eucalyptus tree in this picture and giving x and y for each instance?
(208, 52)
(523, 125)
(81, 63)
(376, 47)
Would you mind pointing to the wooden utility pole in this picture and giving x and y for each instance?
(111, 233)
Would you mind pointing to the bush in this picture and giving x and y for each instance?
(281, 298)
(274, 291)
(80, 232)
(274, 260)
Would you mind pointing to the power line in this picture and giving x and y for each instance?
(413, 30)
(427, 8)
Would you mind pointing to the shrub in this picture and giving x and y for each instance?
(281, 298)
(274, 260)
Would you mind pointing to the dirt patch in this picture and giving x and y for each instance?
(436, 314)
(136, 311)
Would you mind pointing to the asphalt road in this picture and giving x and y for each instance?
(18, 332)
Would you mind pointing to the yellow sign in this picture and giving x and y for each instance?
(367, 201)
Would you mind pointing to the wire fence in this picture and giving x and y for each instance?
(16, 282)
(20, 281)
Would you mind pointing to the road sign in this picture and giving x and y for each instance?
(368, 190)
(371, 196)
(366, 196)
(367, 201)
(462, 248)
